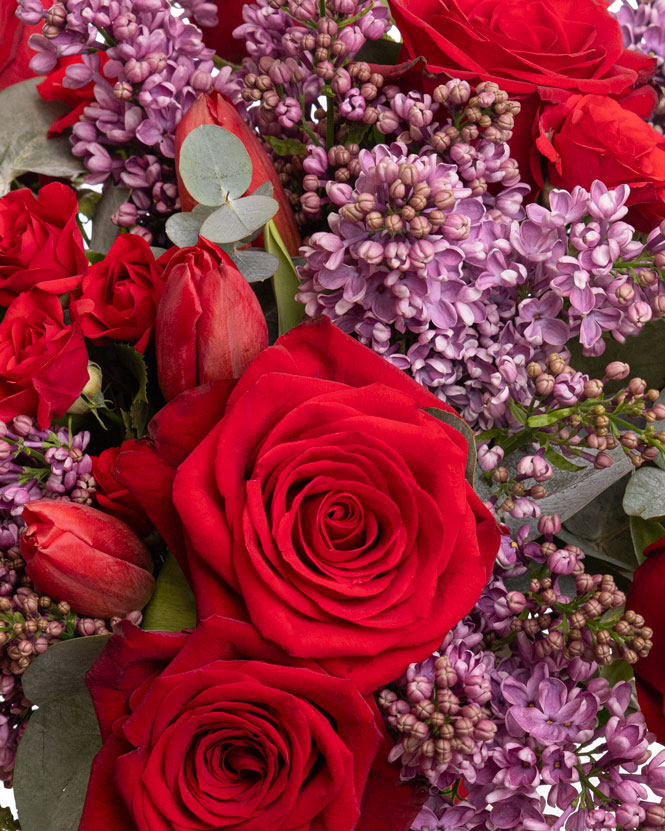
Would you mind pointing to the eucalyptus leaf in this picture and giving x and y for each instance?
(645, 493)
(104, 232)
(239, 218)
(462, 427)
(172, 606)
(285, 282)
(61, 738)
(644, 532)
(24, 147)
(214, 165)
(255, 266)
(183, 229)
(266, 189)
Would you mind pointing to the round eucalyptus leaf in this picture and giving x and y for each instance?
(255, 266)
(645, 493)
(239, 218)
(183, 228)
(214, 165)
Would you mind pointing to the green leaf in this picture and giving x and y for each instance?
(382, 51)
(643, 533)
(645, 493)
(61, 738)
(239, 218)
(254, 265)
(23, 144)
(357, 132)
(183, 229)
(172, 606)
(139, 412)
(617, 671)
(88, 200)
(285, 282)
(104, 232)
(546, 419)
(561, 462)
(286, 147)
(214, 165)
(7, 821)
(462, 427)
(517, 411)
(94, 256)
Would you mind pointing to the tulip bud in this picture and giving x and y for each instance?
(80, 555)
(209, 325)
(215, 108)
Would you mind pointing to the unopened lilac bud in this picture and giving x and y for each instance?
(562, 561)
(488, 458)
(593, 388)
(56, 15)
(419, 689)
(549, 524)
(156, 61)
(137, 71)
(22, 425)
(459, 92)
(50, 31)
(311, 202)
(126, 215)
(338, 193)
(516, 602)
(545, 384)
(341, 83)
(201, 80)
(371, 252)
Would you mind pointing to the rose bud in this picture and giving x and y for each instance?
(210, 326)
(90, 559)
(215, 108)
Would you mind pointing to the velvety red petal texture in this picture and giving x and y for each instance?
(117, 299)
(210, 324)
(331, 511)
(592, 137)
(43, 362)
(40, 242)
(112, 496)
(15, 54)
(646, 598)
(219, 729)
(90, 559)
(537, 51)
(215, 108)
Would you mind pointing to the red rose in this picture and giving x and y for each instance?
(111, 496)
(331, 510)
(15, 54)
(40, 243)
(52, 88)
(118, 296)
(593, 137)
(220, 37)
(43, 362)
(215, 108)
(79, 554)
(540, 50)
(219, 730)
(646, 598)
(210, 325)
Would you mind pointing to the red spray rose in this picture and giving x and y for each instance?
(331, 510)
(215, 108)
(111, 496)
(537, 51)
(217, 729)
(118, 296)
(93, 561)
(43, 362)
(593, 137)
(646, 598)
(40, 243)
(52, 88)
(220, 37)
(209, 323)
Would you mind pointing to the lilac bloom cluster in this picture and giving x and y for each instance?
(643, 30)
(155, 65)
(296, 54)
(464, 291)
(514, 709)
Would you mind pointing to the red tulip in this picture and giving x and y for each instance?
(220, 37)
(90, 559)
(15, 54)
(210, 326)
(215, 108)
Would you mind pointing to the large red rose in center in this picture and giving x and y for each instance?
(332, 511)
(539, 50)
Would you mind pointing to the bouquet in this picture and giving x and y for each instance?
(332, 423)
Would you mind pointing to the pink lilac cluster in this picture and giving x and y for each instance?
(513, 712)
(463, 291)
(295, 54)
(643, 29)
(155, 65)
